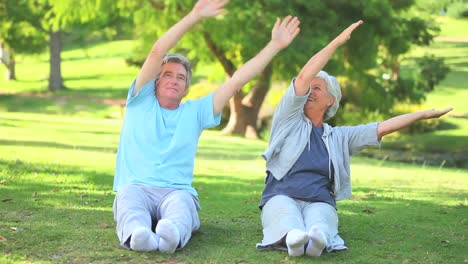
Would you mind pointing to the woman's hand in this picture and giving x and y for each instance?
(434, 113)
(346, 34)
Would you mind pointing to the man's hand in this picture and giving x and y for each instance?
(285, 31)
(209, 8)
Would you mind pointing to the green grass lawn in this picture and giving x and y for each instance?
(451, 27)
(56, 175)
(453, 90)
(99, 71)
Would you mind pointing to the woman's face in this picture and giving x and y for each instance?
(319, 99)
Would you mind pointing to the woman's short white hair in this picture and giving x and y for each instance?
(334, 90)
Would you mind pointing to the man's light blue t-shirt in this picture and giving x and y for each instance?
(157, 146)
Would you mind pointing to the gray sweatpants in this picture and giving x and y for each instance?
(281, 214)
(141, 206)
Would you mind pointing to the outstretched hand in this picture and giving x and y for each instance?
(346, 34)
(434, 113)
(209, 8)
(285, 31)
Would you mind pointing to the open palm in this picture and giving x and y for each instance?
(285, 31)
(209, 8)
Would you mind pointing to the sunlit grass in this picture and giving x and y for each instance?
(56, 197)
(97, 71)
(454, 88)
(451, 27)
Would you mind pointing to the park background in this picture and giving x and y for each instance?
(61, 114)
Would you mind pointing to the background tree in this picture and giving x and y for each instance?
(62, 16)
(18, 34)
(29, 26)
(374, 51)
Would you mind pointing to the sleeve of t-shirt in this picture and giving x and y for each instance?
(146, 93)
(362, 136)
(206, 118)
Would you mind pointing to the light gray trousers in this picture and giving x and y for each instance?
(281, 214)
(141, 206)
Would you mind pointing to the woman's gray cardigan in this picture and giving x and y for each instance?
(290, 134)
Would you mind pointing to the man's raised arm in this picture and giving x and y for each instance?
(152, 65)
(281, 36)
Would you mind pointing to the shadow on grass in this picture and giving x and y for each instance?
(46, 144)
(88, 77)
(445, 125)
(446, 44)
(44, 105)
(98, 93)
(73, 222)
(65, 126)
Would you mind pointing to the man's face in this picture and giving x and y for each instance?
(172, 82)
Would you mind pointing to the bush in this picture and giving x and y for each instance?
(432, 70)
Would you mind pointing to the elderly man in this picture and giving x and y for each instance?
(156, 207)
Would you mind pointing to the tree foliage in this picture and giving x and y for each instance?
(375, 50)
(29, 26)
(19, 28)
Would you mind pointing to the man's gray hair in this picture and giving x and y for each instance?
(334, 90)
(181, 59)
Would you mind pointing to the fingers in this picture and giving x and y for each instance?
(218, 6)
(353, 26)
(446, 110)
(434, 113)
(210, 8)
(290, 23)
(277, 23)
(360, 22)
(285, 21)
(296, 32)
(219, 11)
(293, 25)
(220, 3)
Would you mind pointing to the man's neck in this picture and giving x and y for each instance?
(168, 104)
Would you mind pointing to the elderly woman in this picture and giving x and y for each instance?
(308, 161)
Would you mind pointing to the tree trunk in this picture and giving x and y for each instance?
(244, 111)
(395, 67)
(8, 59)
(11, 71)
(55, 74)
